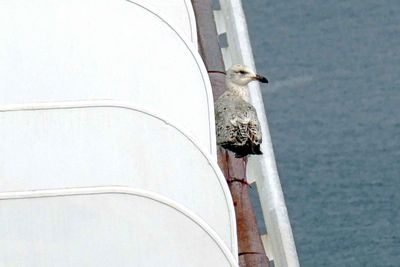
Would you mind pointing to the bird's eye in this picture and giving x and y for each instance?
(242, 72)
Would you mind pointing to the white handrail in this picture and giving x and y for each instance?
(264, 168)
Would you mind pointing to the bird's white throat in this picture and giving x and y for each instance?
(238, 90)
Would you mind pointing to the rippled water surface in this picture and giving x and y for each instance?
(333, 106)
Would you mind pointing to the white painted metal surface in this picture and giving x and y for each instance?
(179, 14)
(109, 226)
(103, 143)
(101, 49)
(263, 168)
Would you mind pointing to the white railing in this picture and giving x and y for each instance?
(279, 241)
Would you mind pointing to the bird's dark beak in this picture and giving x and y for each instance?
(261, 79)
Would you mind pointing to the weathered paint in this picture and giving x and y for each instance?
(251, 252)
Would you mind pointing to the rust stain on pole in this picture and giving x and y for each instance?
(251, 250)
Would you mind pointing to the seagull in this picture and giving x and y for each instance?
(237, 125)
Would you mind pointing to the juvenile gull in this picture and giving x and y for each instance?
(237, 125)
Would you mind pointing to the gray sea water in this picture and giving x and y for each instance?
(333, 105)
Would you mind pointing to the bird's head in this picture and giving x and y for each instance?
(242, 75)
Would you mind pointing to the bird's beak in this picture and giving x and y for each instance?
(261, 78)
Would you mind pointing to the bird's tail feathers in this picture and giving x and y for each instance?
(242, 151)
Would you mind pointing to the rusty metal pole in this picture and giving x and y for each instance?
(209, 48)
(251, 250)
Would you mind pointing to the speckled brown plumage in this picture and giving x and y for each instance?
(237, 125)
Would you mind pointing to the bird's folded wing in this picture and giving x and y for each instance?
(237, 122)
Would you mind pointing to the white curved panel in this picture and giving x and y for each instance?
(69, 145)
(108, 226)
(103, 49)
(179, 13)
